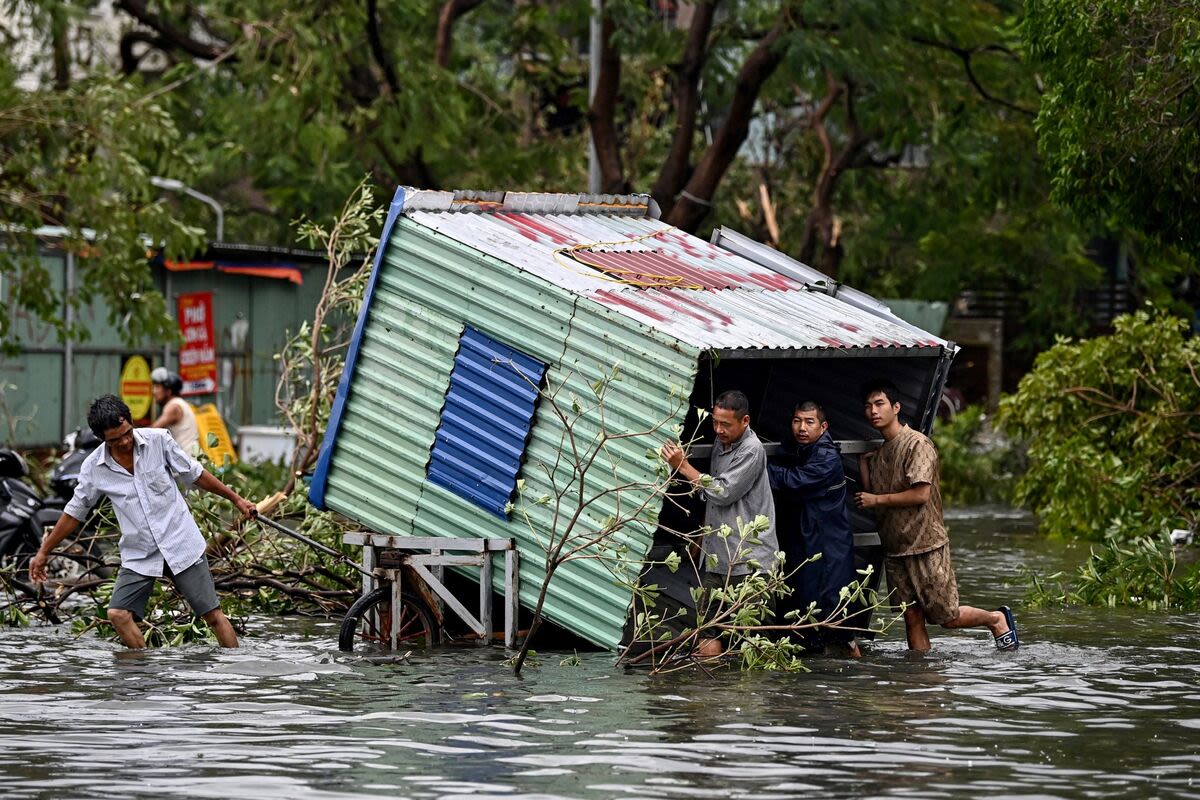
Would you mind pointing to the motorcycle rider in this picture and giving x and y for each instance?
(176, 415)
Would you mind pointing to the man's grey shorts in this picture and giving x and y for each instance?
(132, 590)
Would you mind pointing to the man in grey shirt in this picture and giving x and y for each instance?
(136, 470)
(740, 491)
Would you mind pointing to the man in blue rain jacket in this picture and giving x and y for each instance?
(812, 517)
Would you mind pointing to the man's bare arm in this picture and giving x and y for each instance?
(211, 483)
(170, 415)
(914, 496)
(864, 469)
(65, 526)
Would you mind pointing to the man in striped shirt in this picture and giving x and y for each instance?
(137, 470)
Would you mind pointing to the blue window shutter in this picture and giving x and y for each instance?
(485, 421)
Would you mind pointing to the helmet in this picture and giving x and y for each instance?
(11, 464)
(172, 382)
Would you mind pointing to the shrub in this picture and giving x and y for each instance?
(1145, 573)
(1113, 428)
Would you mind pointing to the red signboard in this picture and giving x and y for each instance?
(198, 355)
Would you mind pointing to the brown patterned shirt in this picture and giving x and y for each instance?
(908, 459)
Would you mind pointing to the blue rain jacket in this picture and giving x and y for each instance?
(812, 517)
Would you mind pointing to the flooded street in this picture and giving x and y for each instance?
(1097, 703)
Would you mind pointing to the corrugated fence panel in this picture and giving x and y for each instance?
(485, 421)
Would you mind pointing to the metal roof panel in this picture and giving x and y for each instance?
(695, 291)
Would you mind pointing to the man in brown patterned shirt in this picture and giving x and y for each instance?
(900, 480)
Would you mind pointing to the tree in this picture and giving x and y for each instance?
(1119, 124)
(311, 362)
(888, 142)
(1113, 426)
(739, 612)
(79, 158)
(586, 480)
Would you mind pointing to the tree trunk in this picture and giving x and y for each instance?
(60, 36)
(603, 112)
(677, 164)
(537, 620)
(695, 199)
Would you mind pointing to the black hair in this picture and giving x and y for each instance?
(880, 386)
(734, 401)
(809, 405)
(107, 412)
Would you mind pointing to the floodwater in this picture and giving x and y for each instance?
(1097, 703)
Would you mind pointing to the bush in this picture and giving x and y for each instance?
(1145, 573)
(1113, 427)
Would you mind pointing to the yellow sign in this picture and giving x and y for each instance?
(135, 386)
(212, 428)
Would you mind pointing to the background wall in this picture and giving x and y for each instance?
(40, 401)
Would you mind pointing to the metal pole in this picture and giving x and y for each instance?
(173, 185)
(170, 310)
(214, 205)
(595, 42)
(313, 544)
(68, 389)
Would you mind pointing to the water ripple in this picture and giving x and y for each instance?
(1099, 703)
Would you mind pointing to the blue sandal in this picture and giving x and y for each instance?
(1008, 640)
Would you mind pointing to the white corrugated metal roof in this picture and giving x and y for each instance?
(690, 289)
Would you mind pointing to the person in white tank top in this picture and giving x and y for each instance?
(176, 415)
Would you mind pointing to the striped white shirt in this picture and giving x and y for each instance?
(156, 524)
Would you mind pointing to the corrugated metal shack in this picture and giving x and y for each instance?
(428, 438)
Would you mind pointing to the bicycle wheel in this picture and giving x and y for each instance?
(368, 623)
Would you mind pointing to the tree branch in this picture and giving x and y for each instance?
(965, 54)
(451, 11)
(821, 228)
(130, 60)
(696, 197)
(170, 35)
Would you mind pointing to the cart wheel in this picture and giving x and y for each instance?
(368, 623)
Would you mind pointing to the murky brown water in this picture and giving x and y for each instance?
(1097, 703)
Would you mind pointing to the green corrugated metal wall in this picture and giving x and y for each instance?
(36, 373)
(430, 287)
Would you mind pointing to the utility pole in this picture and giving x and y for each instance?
(173, 185)
(595, 39)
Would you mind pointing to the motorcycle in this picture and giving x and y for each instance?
(78, 446)
(25, 516)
